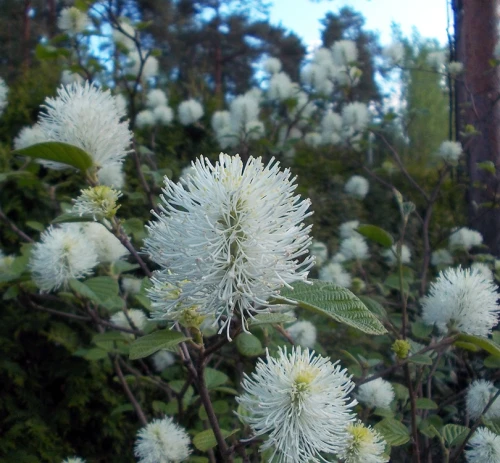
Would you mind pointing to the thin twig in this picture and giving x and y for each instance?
(14, 227)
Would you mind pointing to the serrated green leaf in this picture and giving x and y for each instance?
(83, 290)
(376, 234)
(103, 287)
(58, 152)
(336, 302)
(373, 306)
(205, 440)
(493, 425)
(35, 225)
(215, 378)
(420, 330)
(248, 345)
(394, 432)
(270, 319)
(454, 434)
(484, 343)
(151, 343)
(424, 403)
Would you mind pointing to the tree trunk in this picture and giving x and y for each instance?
(476, 34)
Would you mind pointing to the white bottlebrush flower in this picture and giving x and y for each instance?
(450, 151)
(378, 393)
(484, 447)
(479, 393)
(131, 285)
(4, 90)
(156, 97)
(162, 441)
(365, 445)
(28, 136)
(394, 53)
(313, 139)
(145, 119)
(300, 402)
(149, 64)
(344, 52)
(354, 247)
(483, 270)
(463, 300)
(62, 254)
(465, 238)
(162, 360)
(136, 316)
(84, 116)
(338, 258)
(390, 255)
(125, 36)
(348, 229)
(121, 104)
(347, 76)
(303, 334)
(334, 273)
(441, 257)
(280, 87)
(190, 111)
(108, 246)
(319, 251)
(331, 128)
(243, 109)
(455, 68)
(254, 130)
(99, 202)
(357, 187)
(72, 20)
(355, 116)
(316, 77)
(68, 78)
(220, 120)
(272, 65)
(73, 460)
(111, 175)
(436, 60)
(163, 115)
(232, 235)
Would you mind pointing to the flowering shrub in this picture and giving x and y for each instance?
(198, 287)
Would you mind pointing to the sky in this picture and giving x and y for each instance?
(302, 16)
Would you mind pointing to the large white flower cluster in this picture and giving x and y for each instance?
(228, 238)
(190, 111)
(465, 238)
(484, 447)
(162, 441)
(333, 272)
(462, 300)
(143, 64)
(450, 151)
(300, 402)
(158, 111)
(354, 248)
(72, 20)
(378, 393)
(303, 333)
(357, 187)
(479, 393)
(365, 445)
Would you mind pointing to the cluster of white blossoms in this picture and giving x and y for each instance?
(228, 238)
(394, 53)
(365, 445)
(272, 65)
(436, 60)
(462, 300)
(346, 128)
(378, 393)
(82, 115)
(354, 248)
(483, 270)
(465, 238)
(300, 402)
(319, 251)
(450, 151)
(72, 251)
(72, 20)
(190, 111)
(390, 255)
(303, 333)
(241, 123)
(162, 360)
(333, 272)
(348, 229)
(124, 35)
(484, 447)
(357, 187)
(479, 393)
(158, 112)
(162, 441)
(136, 316)
(4, 90)
(441, 257)
(142, 64)
(100, 202)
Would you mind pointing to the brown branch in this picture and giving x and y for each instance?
(14, 228)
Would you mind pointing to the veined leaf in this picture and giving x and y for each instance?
(394, 432)
(486, 344)
(58, 152)
(334, 301)
(376, 234)
(151, 343)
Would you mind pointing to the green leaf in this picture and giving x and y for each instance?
(426, 404)
(215, 378)
(151, 343)
(484, 343)
(333, 301)
(83, 290)
(58, 152)
(121, 409)
(94, 354)
(492, 362)
(487, 166)
(376, 234)
(105, 288)
(420, 330)
(69, 217)
(421, 359)
(270, 319)
(35, 225)
(248, 345)
(205, 440)
(454, 434)
(493, 425)
(394, 432)
(393, 282)
(373, 305)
